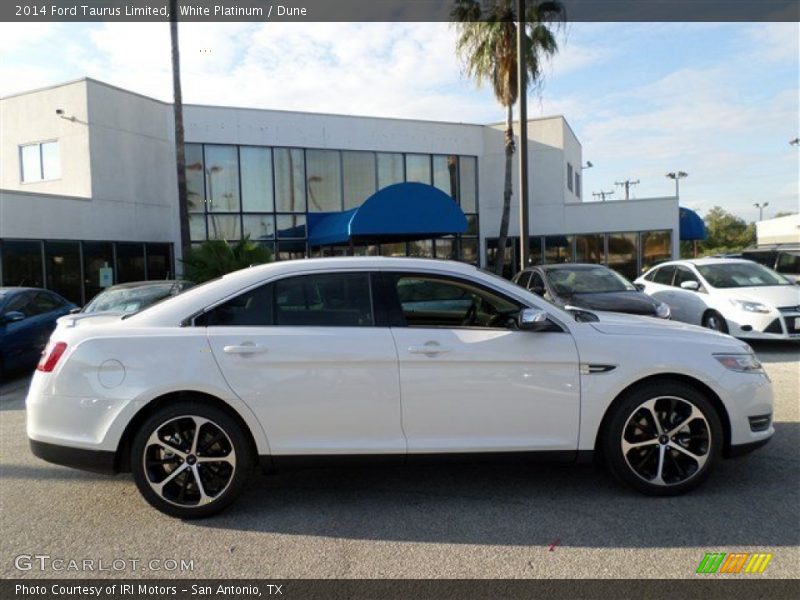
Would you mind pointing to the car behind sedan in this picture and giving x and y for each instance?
(300, 362)
(134, 296)
(589, 286)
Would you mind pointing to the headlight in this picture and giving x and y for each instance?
(746, 306)
(743, 363)
(662, 310)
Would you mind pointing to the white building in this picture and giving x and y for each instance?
(780, 230)
(87, 178)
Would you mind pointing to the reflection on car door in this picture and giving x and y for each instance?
(22, 341)
(687, 305)
(471, 383)
(307, 357)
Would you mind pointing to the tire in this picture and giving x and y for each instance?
(175, 449)
(677, 434)
(713, 320)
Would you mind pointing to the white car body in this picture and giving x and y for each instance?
(779, 319)
(304, 391)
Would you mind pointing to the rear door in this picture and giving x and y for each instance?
(22, 343)
(306, 355)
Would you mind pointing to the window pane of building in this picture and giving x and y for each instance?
(577, 184)
(324, 180)
(130, 262)
(446, 249)
(445, 174)
(472, 225)
(259, 227)
(22, 264)
(224, 227)
(256, 179)
(195, 178)
(622, 254)
(359, 177)
(535, 250)
(197, 227)
(290, 180)
(63, 269)
(291, 226)
(159, 261)
(421, 248)
(291, 250)
(557, 249)
(222, 178)
(469, 250)
(390, 169)
(467, 190)
(31, 163)
(656, 247)
(418, 168)
(590, 249)
(394, 249)
(96, 255)
(569, 177)
(51, 164)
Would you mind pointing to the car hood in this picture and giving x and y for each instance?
(774, 295)
(627, 302)
(619, 324)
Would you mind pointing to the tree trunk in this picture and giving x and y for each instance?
(500, 255)
(180, 149)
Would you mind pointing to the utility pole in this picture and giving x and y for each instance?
(602, 195)
(761, 208)
(522, 90)
(627, 184)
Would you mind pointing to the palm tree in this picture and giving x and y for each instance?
(215, 258)
(180, 148)
(487, 46)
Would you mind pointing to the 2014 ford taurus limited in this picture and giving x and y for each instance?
(392, 359)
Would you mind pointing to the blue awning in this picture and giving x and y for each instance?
(692, 225)
(404, 211)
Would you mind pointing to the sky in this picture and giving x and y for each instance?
(718, 101)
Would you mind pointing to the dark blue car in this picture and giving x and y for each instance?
(27, 318)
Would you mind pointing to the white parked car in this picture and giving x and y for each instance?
(391, 359)
(735, 296)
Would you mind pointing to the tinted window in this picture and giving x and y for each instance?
(253, 308)
(587, 280)
(336, 299)
(788, 263)
(664, 275)
(683, 274)
(536, 284)
(21, 303)
(740, 274)
(523, 279)
(46, 302)
(435, 302)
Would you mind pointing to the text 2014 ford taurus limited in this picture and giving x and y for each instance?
(391, 359)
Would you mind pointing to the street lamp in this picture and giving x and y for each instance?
(795, 142)
(588, 165)
(761, 208)
(677, 176)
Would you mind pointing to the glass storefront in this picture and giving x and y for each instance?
(266, 193)
(72, 268)
(656, 248)
(622, 254)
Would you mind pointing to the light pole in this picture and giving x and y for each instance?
(522, 91)
(588, 165)
(761, 208)
(677, 176)
(795, 142)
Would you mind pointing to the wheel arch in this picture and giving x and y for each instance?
(122, 455)
(698, 385)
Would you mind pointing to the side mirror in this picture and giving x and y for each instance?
(639, 286)
(13, 316)
(532, 319)
(690, 285)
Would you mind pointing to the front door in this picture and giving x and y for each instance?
(304, 353)
(470, 381)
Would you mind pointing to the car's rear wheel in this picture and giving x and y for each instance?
(663, 439)
(714, 320)
(190, 460)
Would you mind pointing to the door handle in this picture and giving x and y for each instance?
(429, 349)
(246, 348)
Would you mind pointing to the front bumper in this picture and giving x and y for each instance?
(781, 324)
(743, 449)
(97, 461)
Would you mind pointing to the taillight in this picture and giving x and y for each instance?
(51, 356)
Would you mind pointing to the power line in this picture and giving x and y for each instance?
(602, 195)
(627, 184)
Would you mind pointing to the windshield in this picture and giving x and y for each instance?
(594, 280)
(740, 274)
(128, 300)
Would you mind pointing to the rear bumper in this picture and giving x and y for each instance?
(97, 461)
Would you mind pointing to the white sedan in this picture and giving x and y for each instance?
(388, 359)
(735, 296)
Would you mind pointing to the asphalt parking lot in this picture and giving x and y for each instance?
(443, 521)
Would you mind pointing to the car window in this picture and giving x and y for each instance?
(664, 275)
(536, 283)
(253, 308)
(579, 280)
(523, 279)
(22, 303)
(46, 302)
(334, 299)
(788, 263)
(683, 274)
(740, 274)
(441, 302)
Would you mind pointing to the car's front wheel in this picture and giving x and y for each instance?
(663, 439)
(190, 460)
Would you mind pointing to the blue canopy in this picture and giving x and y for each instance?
(404, 211)
(692, 225)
